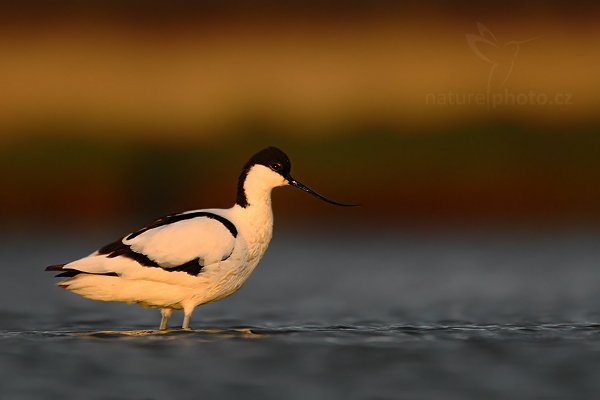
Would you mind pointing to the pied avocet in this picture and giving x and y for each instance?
(183, 260)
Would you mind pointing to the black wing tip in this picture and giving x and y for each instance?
(57, 267)
(63, 273)
(69, 273)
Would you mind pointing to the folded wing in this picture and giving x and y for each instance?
(180, 242)
(201, 237)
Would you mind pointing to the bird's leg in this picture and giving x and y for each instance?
(186, 321)
(166, 313)
(187, 313)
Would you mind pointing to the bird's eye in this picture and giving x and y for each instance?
(276, 167)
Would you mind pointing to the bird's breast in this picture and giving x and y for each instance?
(257, 241)
(255, 233)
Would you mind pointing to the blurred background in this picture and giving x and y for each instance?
(469, 132)
(449, 114)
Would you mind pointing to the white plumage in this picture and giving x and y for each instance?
(183, 260)
(174, 244)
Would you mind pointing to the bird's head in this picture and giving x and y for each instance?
(270, 168)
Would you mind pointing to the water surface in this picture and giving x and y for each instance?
(334, 315)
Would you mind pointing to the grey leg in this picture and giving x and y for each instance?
(186, 321)
(166, 313)
(187, 313)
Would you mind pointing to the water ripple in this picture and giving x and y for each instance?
(427, 332)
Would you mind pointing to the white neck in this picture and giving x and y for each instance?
(257, 214)
(257, 184)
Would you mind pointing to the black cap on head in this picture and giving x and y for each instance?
(272, 158)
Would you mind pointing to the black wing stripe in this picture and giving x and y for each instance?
(118, 248)
(191, 267)
(170, 219)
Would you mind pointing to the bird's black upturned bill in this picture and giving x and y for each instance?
(300, 186)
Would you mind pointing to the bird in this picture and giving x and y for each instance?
(187, 259)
